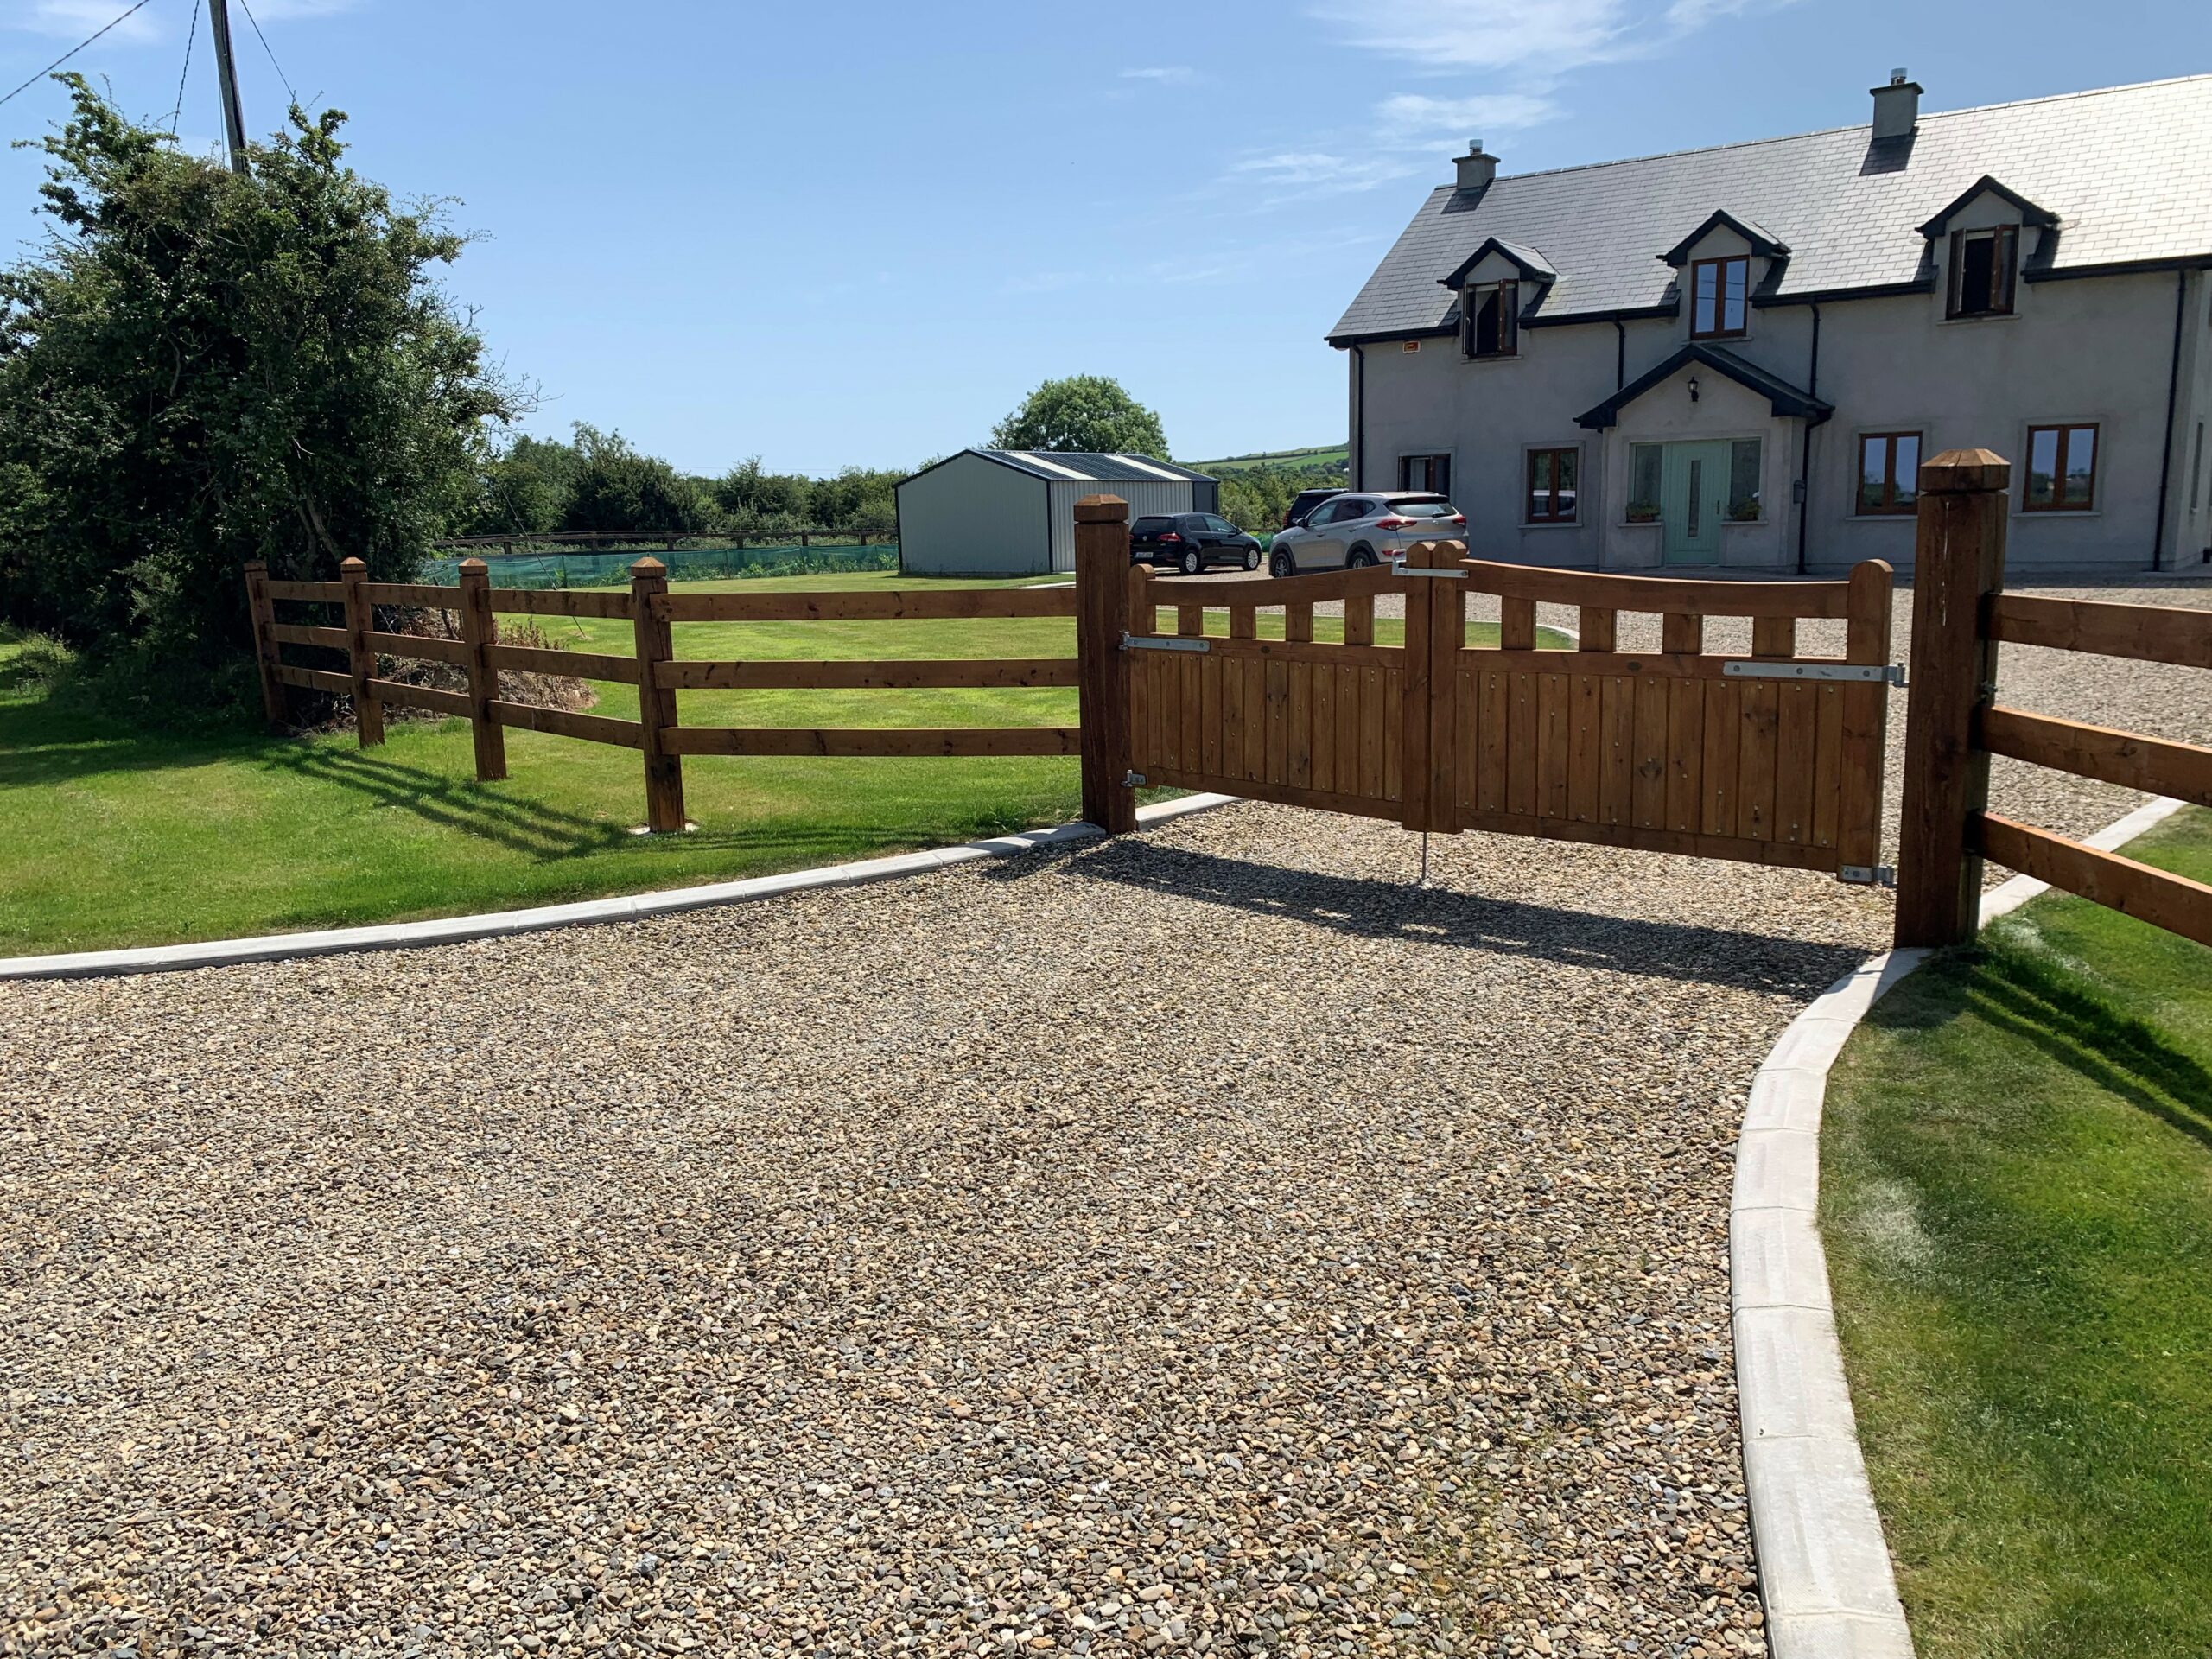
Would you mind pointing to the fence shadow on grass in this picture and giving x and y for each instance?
(519, 825)
(1376, 909)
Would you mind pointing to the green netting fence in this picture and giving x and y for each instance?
(578, 567)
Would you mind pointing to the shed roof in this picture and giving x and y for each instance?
(2121, 168)
(1061, 466)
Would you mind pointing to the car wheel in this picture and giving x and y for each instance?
(1252, 556)
(1192, 563)
(1281, 565)
(1360, 558)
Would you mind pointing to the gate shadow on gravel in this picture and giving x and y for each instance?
(1460, 921)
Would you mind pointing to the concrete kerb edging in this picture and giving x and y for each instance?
(1824, 1567)
(453, 930)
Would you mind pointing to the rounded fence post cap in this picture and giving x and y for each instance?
(1101, 509)
(473, 567)
(361, 565)
(649, 565)
(1958, 470)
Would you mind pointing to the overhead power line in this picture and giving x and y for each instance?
(72, 52)
(273, 64)
(191, 33)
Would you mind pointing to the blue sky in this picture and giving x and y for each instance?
(860, 233)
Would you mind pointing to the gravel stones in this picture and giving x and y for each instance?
(1206, 1241)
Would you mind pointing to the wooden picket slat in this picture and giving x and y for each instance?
(1298, 764)
(1516, 625)
(1555, 744)
(1827, 765)
(1757, 732)
(1723, 732)
(1685, 755)
(1616, 787)
(1521, 725)
(1796, 730)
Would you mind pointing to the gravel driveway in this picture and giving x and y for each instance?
(1209, 1241)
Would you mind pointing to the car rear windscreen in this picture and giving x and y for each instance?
(1421, 506)
(1151, 526)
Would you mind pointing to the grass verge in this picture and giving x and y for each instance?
(112, 834)
(2017, 1197)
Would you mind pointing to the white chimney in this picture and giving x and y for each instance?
(1476, 169)
(1897, 107)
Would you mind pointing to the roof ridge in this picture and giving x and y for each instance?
(1855, 126)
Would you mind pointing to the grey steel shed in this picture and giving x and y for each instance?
(1011, 513)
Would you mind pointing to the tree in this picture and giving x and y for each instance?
(1084, 412)
(614, 488)
(524, 487)
(203, 367)
(747, 492)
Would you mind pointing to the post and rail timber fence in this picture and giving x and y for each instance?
(1960, 614)
(652, 667)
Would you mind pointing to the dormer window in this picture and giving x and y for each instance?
(1492, 324)
(1720, 297)
(1983, 266)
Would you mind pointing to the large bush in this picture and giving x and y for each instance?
(613, 488)
(203, 367)
(1082, 414)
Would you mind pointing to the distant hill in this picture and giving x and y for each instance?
(1335, 459)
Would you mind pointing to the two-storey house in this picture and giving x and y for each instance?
(1738, 356)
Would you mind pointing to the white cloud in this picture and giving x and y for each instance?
(1545, 39)
(1415, 115)
(73, 20)
(1170, 75)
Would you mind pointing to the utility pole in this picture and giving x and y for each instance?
(226, 75)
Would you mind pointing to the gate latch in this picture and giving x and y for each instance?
(1784, 669)
(1133, 780)
(1868, 875)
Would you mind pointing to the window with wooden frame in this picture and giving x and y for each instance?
(1983, 266)
(2062, 468)
(1720, 297)
(1427, 475)
(1889, 472)
(1553, 491)
(1492, 319)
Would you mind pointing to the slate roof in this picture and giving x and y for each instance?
(1092, 469)
(2124, 170)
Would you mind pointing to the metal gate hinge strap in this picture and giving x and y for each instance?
(1399, 568)
(1133, 780)
(1161, 642)
(1886, 673)
(1877, 875)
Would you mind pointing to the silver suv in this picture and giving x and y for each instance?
(1357, 527)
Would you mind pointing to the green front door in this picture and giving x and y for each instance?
(1692, 497)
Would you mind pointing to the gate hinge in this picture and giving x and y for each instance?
(1866, 875)
(1162, 642)
(1133, 780)
(1785, 669)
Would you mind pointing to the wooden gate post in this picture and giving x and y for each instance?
(1958, 560)
(1102, 617)
(480, 630)
(656, 643)
(368, 713)
(264, 643)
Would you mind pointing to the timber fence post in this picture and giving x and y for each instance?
(1958, 560)
(656, 643)
(264, 643)
(360, 661)
(480, 630)
(1102, 583)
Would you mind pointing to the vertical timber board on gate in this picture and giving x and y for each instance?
(1101, 563)
(360, 661)
(1866, 719)
(656, 643)
(1447, 643)
(264, 643)
(480, 630)
(1413, 711)
(1958, 561)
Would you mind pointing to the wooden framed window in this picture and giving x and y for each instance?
(2062, 468)
(1720, 297)
(1427, 475)
(1746, 461)
(1553, 495)
(1984, 265)
(1889, 472)
(1492, 324)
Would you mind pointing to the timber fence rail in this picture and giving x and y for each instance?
(651, 666)
(1961, 613)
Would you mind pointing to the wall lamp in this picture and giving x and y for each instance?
(1693, 388)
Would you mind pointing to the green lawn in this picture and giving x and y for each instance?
(2017, 1197)
(112, 836)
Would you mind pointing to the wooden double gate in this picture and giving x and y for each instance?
(1771, 757)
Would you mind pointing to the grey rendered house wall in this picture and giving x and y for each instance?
(1143, 495)
(970, 516)
(2088, 349)
(2190, 484)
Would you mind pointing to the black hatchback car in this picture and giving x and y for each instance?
(1188, 541)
